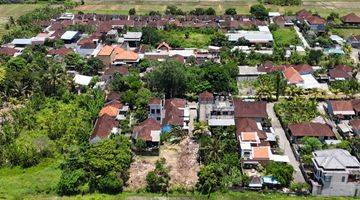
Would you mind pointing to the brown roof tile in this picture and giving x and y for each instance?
(173, 114)
(256, 109)
(351, 18)
(292, 76)
(311, 129)
(143, 130)
(206, 97)
(341, 105)
(103, 126)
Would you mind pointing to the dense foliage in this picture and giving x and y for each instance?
(101, 167)
(296, 110)
(46, 127)
(173, 79)
(282, 172)
(221, 162)
(26, 26)
(158, 180)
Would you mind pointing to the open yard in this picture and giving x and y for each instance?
(322, 7)
(286, 37)
(176, 38)
(181, 158)
(345, 33)
(14, 10)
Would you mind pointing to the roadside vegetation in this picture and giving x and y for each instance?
(296, 110)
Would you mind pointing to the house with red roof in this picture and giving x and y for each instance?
(250, 109)
(340, 109)
(108, 121)
(292, 76)
(148, 131)
(351, 19)
(255, 144)
(310, 129)
(170, 112)
(315, 22)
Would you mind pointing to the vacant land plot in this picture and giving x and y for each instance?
(285, 37)
(181, 158)
(15, 183)
(14, 10)
(322, 7)
(177, 38)
(345, 33)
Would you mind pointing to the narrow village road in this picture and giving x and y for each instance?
(303, 40)
(354, 55)
(284, 143)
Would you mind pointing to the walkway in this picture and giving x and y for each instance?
(303, 40)
(284, 143)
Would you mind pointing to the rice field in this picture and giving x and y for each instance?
(14, 10)
(321, 7)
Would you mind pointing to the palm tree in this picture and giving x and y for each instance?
(201, 128)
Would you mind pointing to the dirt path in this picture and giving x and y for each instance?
(181, 158)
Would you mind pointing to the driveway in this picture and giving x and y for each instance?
(302, 38)
(354, 55)
(284, 143)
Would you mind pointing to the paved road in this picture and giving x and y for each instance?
(302, 38)
(284, 143)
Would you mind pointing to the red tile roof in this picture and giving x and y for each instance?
(123, 70)
(292, 76)
(61, 51)
(173, 114)
(345, 68)
(303, 68)
(122, 54)
(164, 44)
(248, 125)
(311, 129)
(341, 105)
(338, 73)
(302, 14)
(143, 130)
(106, 50)
(103, 126)
(111, 108)
(261, 153)
(113, 96)
(206, 97)
(316, 20)
(255, 109)
(355, 124)
(356, 104)
(351, 18)
(156, 101)
(8, 51)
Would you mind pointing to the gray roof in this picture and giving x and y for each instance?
(21, 41)
(335, 159)
(69, 35)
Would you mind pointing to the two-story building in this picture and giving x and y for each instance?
(336, 173)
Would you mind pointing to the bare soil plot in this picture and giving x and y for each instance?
(181, 158)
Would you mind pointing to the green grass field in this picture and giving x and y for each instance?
(14, 10)
(285, 37)
(322, 7)
(177, 38)
(345, 33)
(16, 182)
